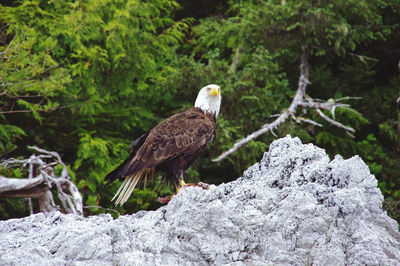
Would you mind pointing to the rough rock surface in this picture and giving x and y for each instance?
(294, 207)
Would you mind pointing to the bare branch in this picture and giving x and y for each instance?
(300, 119)
(72, 203)
(363, 58)
(9, 45)
(16, 46)
(29, 199)
(334, 122)
(299, 100)
(42, 177)
(235, 61)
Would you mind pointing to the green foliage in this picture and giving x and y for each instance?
(8, 134)
(13, 208)
(85, 78)
(86, 69)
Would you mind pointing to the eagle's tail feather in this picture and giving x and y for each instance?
(121, 187)
(129, 184)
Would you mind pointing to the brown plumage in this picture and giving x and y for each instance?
(170, 147)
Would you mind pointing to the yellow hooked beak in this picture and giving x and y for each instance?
(213, 91)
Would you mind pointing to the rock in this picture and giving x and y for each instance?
(293, 207)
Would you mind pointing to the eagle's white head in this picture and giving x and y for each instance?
(209, 99)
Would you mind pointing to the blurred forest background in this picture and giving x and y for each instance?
(85, 78)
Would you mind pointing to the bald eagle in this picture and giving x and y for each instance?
(171, 146)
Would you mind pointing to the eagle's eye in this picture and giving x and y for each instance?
(208, 89)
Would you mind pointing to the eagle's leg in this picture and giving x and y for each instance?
(180, 184)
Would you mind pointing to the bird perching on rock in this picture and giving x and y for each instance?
(171, 146)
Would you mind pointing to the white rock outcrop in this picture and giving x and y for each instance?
(294, 207)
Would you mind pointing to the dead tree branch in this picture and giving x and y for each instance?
(235, 61)
(41, 179)
(299, 100)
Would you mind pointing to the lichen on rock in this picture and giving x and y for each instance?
(296, 206)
